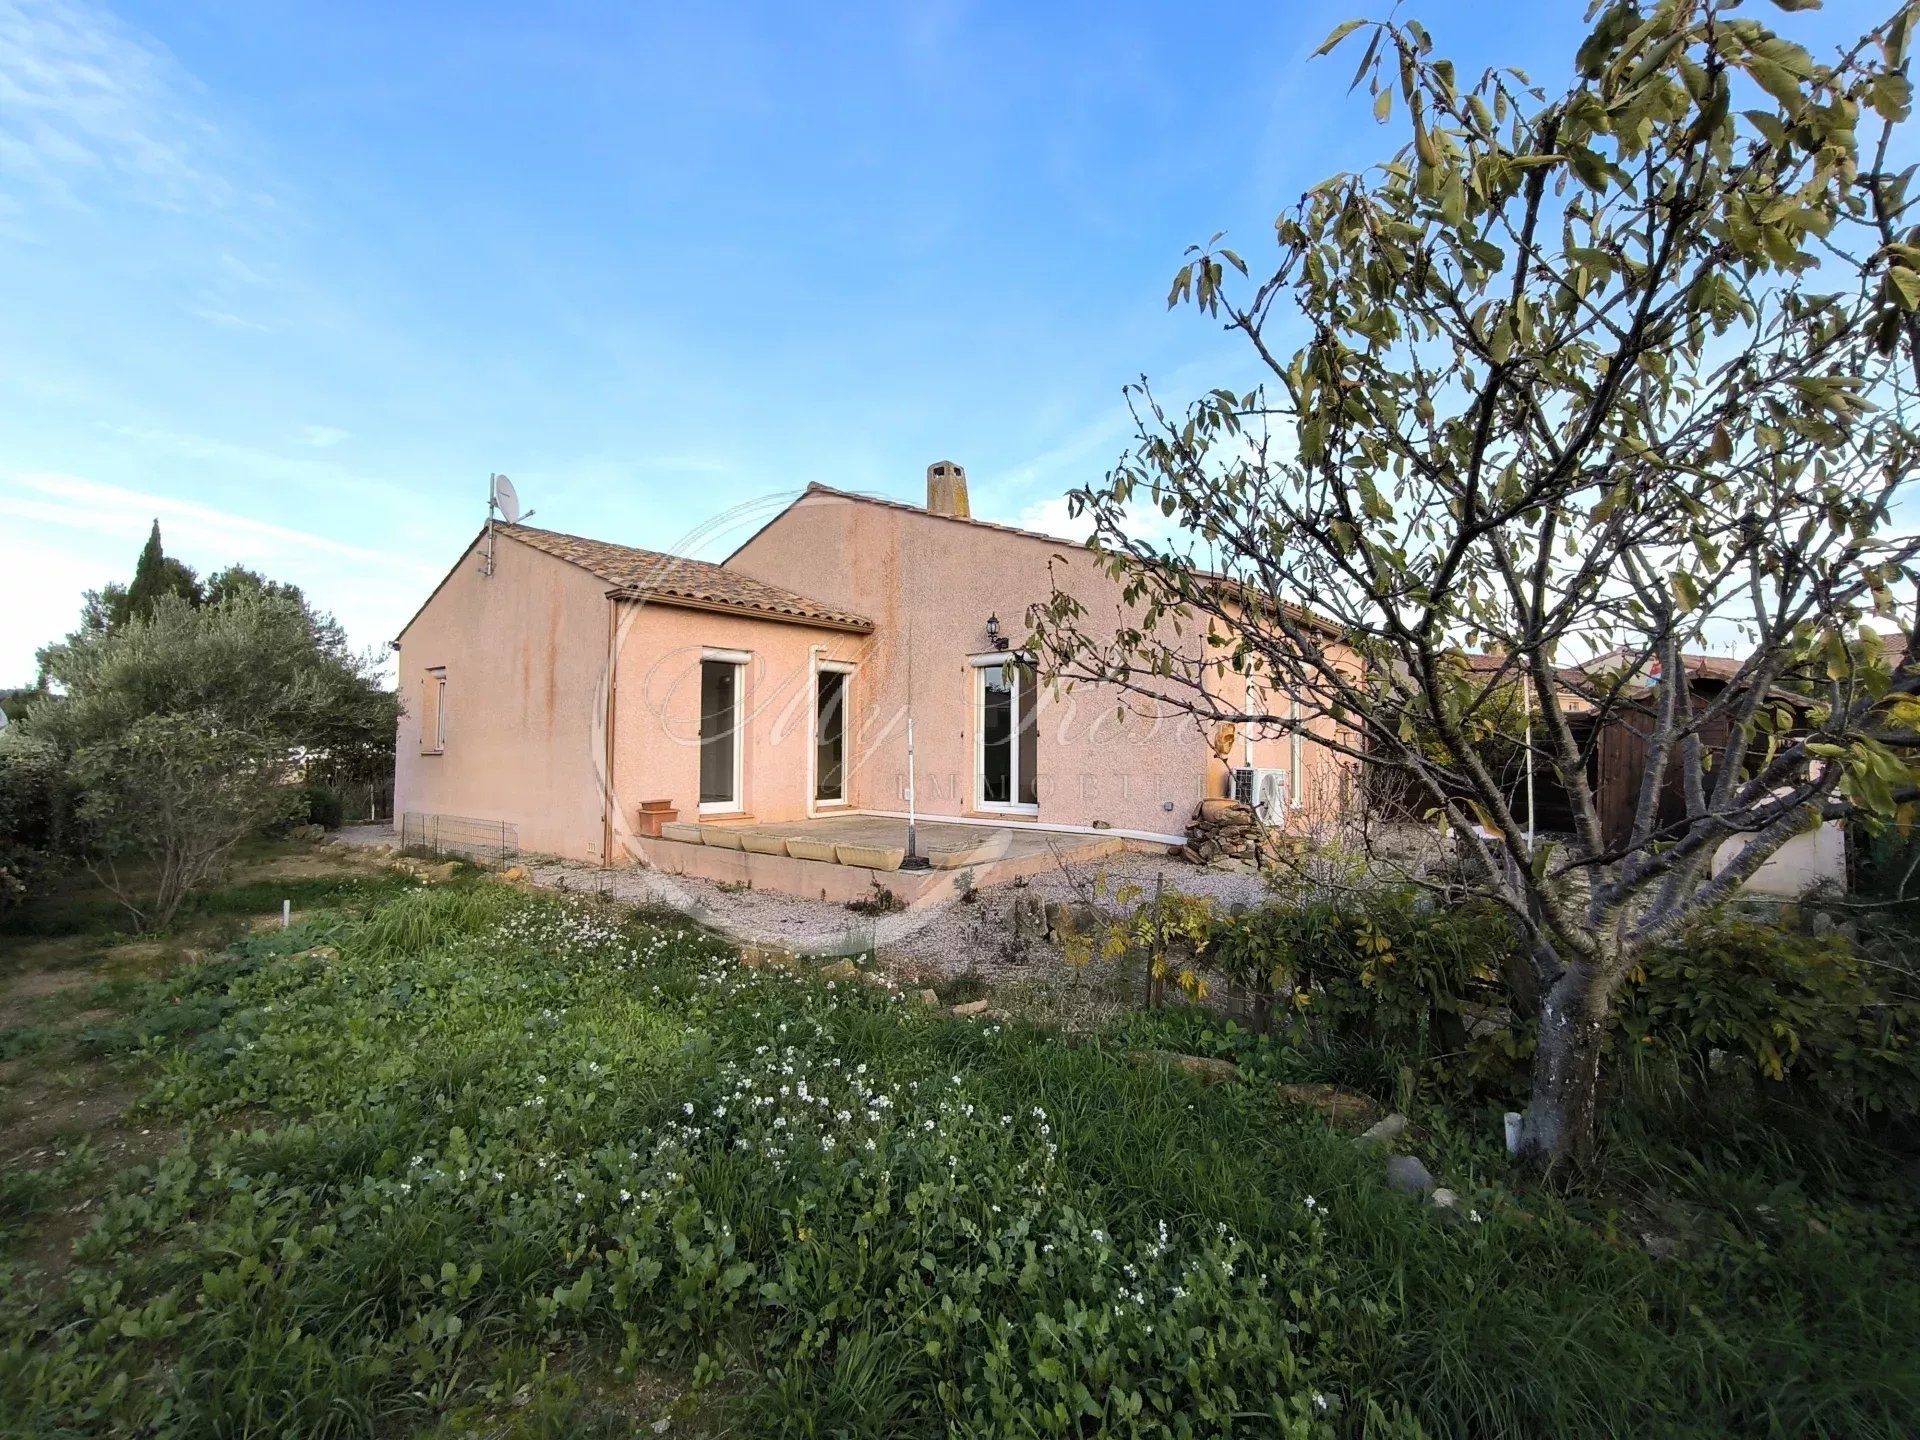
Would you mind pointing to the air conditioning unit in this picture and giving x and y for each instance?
(1264, 790)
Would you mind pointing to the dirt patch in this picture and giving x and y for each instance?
(54, 970)
(40, 1112)
(42, 985)
(47, 1118)
(65, 952)
(301, 866)
(260, 924)
(137, 954)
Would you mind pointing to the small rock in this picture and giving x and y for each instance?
(760, 957)
(1660, 1247)
(839, 970)
(971, 1007)
(1086, 917)
(877, 980)
(1342, 1107)
(1407, 1175)
(1203, 1066)
(515, 874)
(1485, 1021)
(927, 997)
(1385, 1132)
(1443, 1199)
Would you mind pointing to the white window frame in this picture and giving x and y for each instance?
(1295, 789)
(737, 803)
(436, 687)
(828, 667)
(978, 701)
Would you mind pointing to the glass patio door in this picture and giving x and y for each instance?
(1006, 752)
(720, 696)
(830, 736)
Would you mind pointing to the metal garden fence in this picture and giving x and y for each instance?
(485, 842)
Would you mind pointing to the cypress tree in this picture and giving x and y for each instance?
(157, 574)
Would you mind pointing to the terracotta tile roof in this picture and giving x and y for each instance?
(638, 574)
(1705, 667)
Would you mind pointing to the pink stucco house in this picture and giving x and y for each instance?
(580, 689)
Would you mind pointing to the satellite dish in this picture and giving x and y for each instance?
(501, 496)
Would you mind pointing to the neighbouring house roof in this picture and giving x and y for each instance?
(637, 574)
(1500, 661)
(1721, 668)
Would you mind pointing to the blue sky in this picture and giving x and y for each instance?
(296, 278)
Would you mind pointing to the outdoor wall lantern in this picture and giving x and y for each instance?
(993, 632)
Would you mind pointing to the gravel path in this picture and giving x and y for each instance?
(935, 940)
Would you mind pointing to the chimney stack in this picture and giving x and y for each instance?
(947, 489)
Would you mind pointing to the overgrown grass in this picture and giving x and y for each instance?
(463, 1159)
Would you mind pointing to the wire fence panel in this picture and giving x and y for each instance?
(485, 842)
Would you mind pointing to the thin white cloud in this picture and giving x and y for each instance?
(300, 468)
(322, 437)
(76, 503)
(40, 589)
(234, 268)
(88, 104)
(1084, 453)
(62, 534)
(230, 321)
(1143, 520)
(1051, 517)
(685, 464)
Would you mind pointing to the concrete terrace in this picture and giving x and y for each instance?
(844, 857)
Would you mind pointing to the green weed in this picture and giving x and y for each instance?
(482, 1128)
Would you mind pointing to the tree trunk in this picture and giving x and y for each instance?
(1262, 1009)
(1557, 1131)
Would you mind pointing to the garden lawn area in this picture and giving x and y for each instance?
(465, 1159)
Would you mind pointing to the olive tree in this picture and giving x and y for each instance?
(165, 801)
(185, 728)
(1624, 367)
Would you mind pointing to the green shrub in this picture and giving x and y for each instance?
(479, 1126)
(1168, 932)
(1778, 1005)
(412, 924)
(324, 806)
(1390, 967)
(33, 786)
(1885, 866)
(174, 794)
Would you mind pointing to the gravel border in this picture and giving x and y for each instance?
(935, 940)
